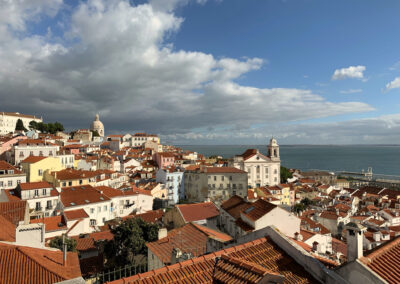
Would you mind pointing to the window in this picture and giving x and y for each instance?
(266, 171)
(70, 183)
(99, 209)
(1, 184)
(105, 208)
(104, 219)
(258, 169)
(31, 153)
(275, 171)
(275, 179)
(92, 222)
(21, 154)
(40, 153)
(80, 181)
(38, 207)
(48, 206)
(240, 186)
(10, 183)
(18, 181)
(64, 184)
(40, 172)
(50, 153)
(230, 177)
(222, 178)
(44, 191)
(249, 170)
(91, 210)
(36, 192)
(215, 178)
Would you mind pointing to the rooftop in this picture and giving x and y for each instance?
(197, 211)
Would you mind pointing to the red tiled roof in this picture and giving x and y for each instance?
(258, 209)
(33, 159)
(263, 252)
(222, 170)
(190, 238)
(80, 195)
(385, 261)
(75, 214)
(34, 185)
(6, 166)
(150, 216)
(20, 264)
(54, 223)
(198, 211)
(7, 232)
(71, 174)
(13, 211)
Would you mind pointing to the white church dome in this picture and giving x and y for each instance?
(98, 126)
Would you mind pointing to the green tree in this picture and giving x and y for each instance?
(20, 126)
(33, 125)
(129, 240)
(298, 207)
(95, 133)
(285, 174)
(51, 128)
(57, 242)
(58, 126)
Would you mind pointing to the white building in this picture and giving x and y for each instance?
(173, 179)
(262, 170)
(139, 139)
(32, 147)
(10, 176)
(8, 121)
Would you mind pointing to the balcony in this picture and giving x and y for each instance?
(38, 208)
(49, 207)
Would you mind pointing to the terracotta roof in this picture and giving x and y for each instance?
(7, 232)
(332, 215)
(33, 159)
(258, 209)
(54, 223)
(6, 166)
(71, 174)
(34, 185)
(189, 239)
(198, 211)
(20, 264)
(261, 252)
(75, 214)
(88, 241)
(222, 170)
(13, 211)
(112, 192)
(385, 262)
(81, 195)
(150, 216)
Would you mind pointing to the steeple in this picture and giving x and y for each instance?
(273, 150)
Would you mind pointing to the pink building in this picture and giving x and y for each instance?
(7, 142)
(164, 160)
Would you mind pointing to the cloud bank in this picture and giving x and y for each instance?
(351, 72)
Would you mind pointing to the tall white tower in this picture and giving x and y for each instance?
(98, 126)
(273, 150)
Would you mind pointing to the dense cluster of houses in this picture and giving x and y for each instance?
(220, 220)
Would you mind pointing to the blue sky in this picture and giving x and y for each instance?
(212, 72)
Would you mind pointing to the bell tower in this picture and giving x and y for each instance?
(273, 150)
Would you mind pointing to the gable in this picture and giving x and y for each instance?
(256, 158)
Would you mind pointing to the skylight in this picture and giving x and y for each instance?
(248, 210)
(73, 203)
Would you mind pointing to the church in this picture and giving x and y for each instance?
(261, 170)
(98, 126)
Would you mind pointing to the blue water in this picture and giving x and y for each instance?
(383, 159)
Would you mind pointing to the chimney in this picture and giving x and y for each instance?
(354, 237)
(315, 246)
(64, 251)
(162, 233)
(176, 255)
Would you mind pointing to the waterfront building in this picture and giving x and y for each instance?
(262, 170)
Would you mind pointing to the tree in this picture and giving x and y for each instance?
(33, 125)
(58, 126)
(95, 133)
(285, 174)
(51, 128)
(298, 207)
(20, 126)
(57, 242)
(129, 240)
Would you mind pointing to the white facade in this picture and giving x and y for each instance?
(98, 212)
(67, 160)
(8, 121)
(140, 139)
(262, 170)
(21, 152)
(10, 181)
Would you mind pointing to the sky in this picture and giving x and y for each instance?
(207, 71)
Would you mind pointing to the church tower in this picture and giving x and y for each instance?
(273, 150)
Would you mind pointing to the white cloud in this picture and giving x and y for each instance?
(351, 91)
(393, 84)
(353, 72)
(116, 59)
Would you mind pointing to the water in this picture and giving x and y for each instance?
(383, 159)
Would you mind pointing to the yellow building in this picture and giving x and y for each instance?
(36, 167)
(71, 177)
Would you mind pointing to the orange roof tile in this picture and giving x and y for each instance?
(75, 214)
(13, 211)
(33, 159)
(54, 223)
(80, 195)
(20, 264)
(6, 166)
(261, 252)
(7, 232)
(198, 211)
(34, 185)
(149, 216)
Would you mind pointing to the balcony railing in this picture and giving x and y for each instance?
(38, 208)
